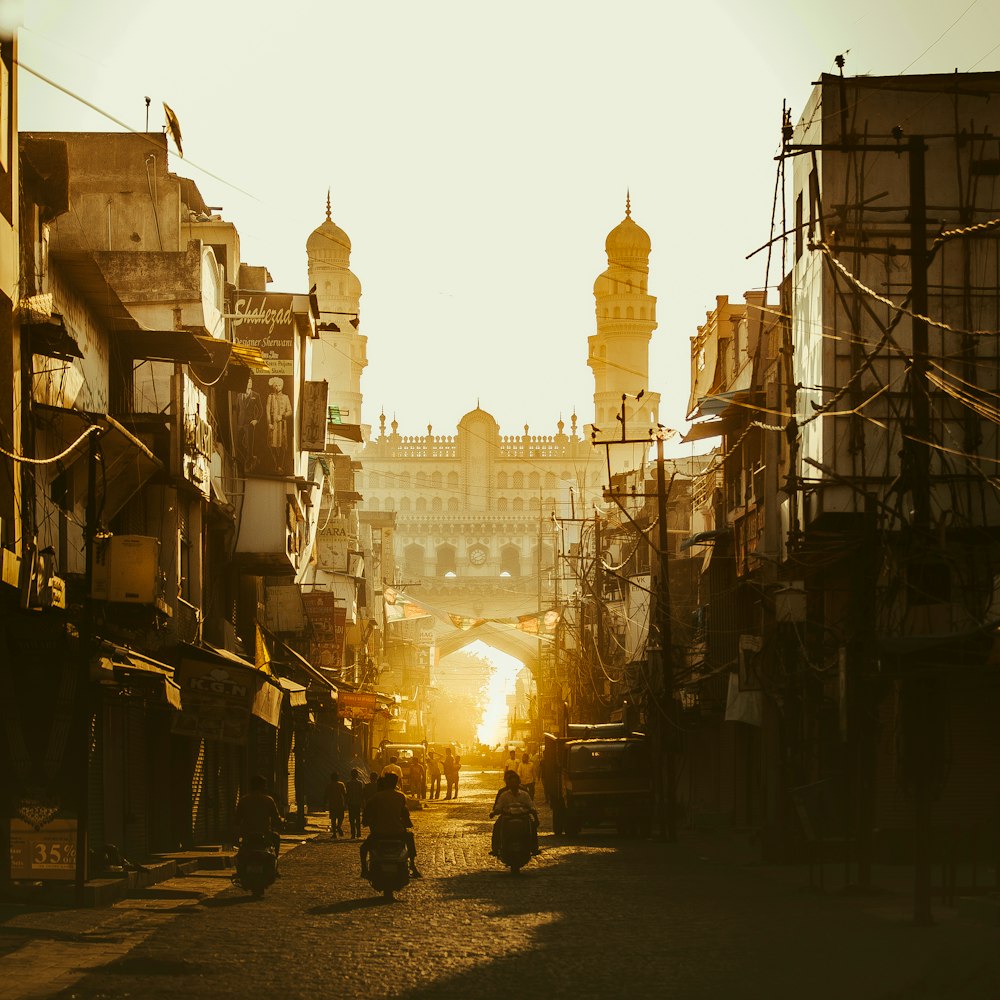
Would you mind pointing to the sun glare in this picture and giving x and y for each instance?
(492, 727)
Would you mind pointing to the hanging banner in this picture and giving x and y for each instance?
(358, 705)
(262, 414)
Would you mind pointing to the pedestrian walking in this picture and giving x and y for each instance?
(369, 789)
(355, 802)
(336, 799)
(510, 764)
(434, 769)
(525, 770)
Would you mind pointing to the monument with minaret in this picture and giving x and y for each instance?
(340, 355)
(618, 352)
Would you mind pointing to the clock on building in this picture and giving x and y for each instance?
(478, 555)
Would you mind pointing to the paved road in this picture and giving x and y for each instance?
(596, 918)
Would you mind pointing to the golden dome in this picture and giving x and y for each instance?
(328, 241)
(627, 240)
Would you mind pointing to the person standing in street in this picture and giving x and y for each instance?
(393, 768)
(434, 768)
(336, 799)
(510, 764)
(452, 763)
(355, 802)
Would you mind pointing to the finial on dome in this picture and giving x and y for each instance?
(327, 204)
(381, 422)
(628, 204)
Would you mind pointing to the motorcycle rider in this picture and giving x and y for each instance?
(257, 815)
(387, 816)
(510, 797)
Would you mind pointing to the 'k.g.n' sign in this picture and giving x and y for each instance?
(263, 412)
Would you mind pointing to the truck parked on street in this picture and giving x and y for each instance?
(598, 774)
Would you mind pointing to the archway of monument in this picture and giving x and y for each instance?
(505, 638)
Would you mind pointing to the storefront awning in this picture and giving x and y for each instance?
(296, 692)
(126, 463)
(125, 666)
(706, 429)
(285, 655)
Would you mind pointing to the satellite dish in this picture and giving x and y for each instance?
(173, 127)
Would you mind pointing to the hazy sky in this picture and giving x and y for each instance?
(479, 153)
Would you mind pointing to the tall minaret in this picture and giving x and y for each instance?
(340, 355)
(619, 350)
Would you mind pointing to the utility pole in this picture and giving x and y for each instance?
(666, 714)
(668, 818)
(924, 722)
(919, 703)
(86, 642)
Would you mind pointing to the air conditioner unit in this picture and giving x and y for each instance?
(126, 570)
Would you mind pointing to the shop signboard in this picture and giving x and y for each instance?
(219, 699)
(358, 705)
(44, 852)
(320, 606)
(263, 414)
(314, 395)
(333, 538)
(328, 652)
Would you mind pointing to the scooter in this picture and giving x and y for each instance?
(256, 864)
(388, 867)
(515, 838)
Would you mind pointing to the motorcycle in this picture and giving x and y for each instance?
(515, 838)
(388, 867)
(256, 864)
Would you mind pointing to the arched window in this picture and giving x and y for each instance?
(404, 480)
(375, 481)
(502, 481)
(445, 560)
(630, 313)
(453, 480)
(534, 481)
(413, 560)
(510, 560)
(390, 480)
(390, 503)
(404, 505)
(421, 480)
(502, 504)
(436, 480)
(421, 505)
(452, 504)
(518, 480)
(436, 505)
(533, 505)
(550, 480)
(518, 504)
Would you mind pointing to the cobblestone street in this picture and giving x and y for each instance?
(598, 917)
